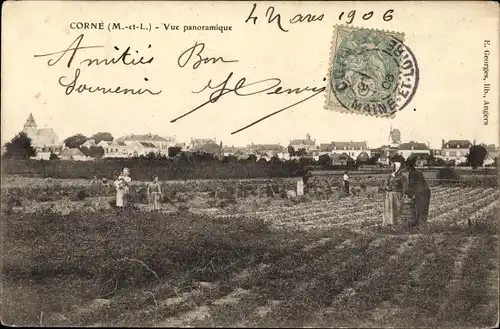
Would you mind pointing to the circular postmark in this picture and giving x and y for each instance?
(374, 73)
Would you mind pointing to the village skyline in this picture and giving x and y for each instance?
(47, 143)
(259, 140)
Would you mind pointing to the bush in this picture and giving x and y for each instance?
(448, 173)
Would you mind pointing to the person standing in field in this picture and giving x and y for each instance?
(345, 183)
(122, 187)
(419, 190)
(395, 187)
(154, 192)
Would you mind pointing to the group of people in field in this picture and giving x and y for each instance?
(122, 185)
(401, 190)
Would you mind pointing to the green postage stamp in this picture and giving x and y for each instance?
(371, 72)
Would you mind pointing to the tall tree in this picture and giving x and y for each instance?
(476, 156)
(19, 147)
(291, 150)
(102, 136)
(75, 141)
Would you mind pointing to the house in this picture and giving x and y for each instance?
(351, 149)
(493, 151)
(197, 142)
(455, 150)
(89, 143)
(268, 151)
(104, 144)
(210, 148)
(488, 160)
(44, 140)
(362, 157)
(325, 148)
(240, 152)
(73, 154)
(160, 143)
(308, 144)
(137, 149)
(114, 149)
(407, 149)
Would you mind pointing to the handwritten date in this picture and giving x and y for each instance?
(275, 17)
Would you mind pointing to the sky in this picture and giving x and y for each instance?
(449, 49)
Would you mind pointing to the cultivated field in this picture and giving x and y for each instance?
(226, 254)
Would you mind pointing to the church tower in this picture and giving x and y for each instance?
(30, 127)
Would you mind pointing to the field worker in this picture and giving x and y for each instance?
(154, 192)
(395, 188)
(122, 187)
(345, 183)
(419, 191)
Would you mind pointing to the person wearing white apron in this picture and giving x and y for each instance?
(122, 187)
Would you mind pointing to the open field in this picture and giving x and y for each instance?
(249, 260)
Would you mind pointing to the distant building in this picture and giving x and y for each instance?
(211, 148)
(137, 149)
(161, 143)
(267, 151)
(308, 144)
(73, 154)
(325, 148)
(455, 150)
(89, 143)
(351, 149)
(197, 142)
(493, 151)
(104, 144)
(407, 149)
(114, 149)
(240, 152)
(44, 140)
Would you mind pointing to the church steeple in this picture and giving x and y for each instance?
(30, 127)
(30, 122)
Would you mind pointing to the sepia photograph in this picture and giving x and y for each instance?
(300, 164)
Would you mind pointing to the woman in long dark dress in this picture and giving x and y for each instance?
(395, 187)
(419, 190)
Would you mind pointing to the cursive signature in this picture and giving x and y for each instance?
(196, 51)
(269, 86)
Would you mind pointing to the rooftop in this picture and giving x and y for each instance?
(71, 152)
(143, 137)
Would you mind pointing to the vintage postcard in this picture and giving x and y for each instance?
(250, 164)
